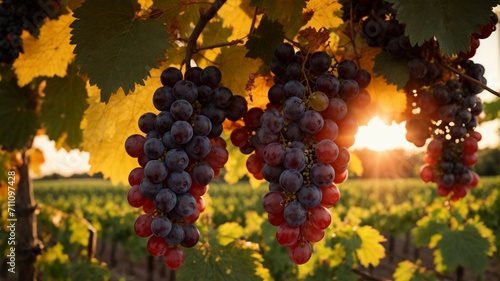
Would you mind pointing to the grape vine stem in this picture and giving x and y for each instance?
(200, 25)
(470, 79)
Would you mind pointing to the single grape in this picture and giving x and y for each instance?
(309, 195)
(179, 182)
(170, 76)
(142, 225)
(295, 214)
(134, 145)
(161, 226)
(319, 101)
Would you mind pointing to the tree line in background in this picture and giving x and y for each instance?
(395, 163)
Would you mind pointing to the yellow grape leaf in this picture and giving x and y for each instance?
(235, 14)
(36, 159)
(229, 231)
(257, 91)
(405, 271)
(49, 55)
(107, 126)
(355, 165)
(145, 3)
(236, 68)
(324, 14)
(371, 250)
(235, 166)
(387, 97)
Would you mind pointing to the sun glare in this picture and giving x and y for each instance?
(379, 136)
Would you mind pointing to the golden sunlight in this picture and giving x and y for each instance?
(379, 136)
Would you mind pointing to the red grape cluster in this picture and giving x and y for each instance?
(299, 142)
(180, 154)
(441, 105)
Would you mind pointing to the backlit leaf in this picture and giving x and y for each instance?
(236, 68)
(62, 110)
(107, 126)
(49, 55)
(324, 14)
(115, 47)
(181, 15)
(36, 159)
(236, 14)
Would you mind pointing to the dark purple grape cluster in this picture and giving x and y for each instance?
(299, 142)
(441, 105)
(19, 15)
(180, 154)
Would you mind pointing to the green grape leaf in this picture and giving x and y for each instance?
(114, 47)
(291, 17)
(212, 262)
(491, 110)
(395, 71)
(465, 247)
(261, 44)
(17, 112)
(451, 22)
(344, 272)
(433, 224)
(63, 107)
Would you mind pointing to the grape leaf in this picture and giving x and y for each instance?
(257, 89)
(236, 68)
(235, 166)
(181, 15)
(214, 33)
(228, 232)
(107, 126)
(451, 22)
(36, 159)
(63, 107)
(395, 71)
(49, 55)
(234, 261)
(236, 15)
(409, 271)
(114, 47)
(261, 44)
(465, 247)
(491, 110)
(17, 112)
(274, 9)
(324, 14)
(371, 250)
(386, 96)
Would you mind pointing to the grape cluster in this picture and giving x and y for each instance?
(16, 16)
(180, 154)
(299, 142)
(441, 105)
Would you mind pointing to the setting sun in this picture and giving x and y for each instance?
(379, 136)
